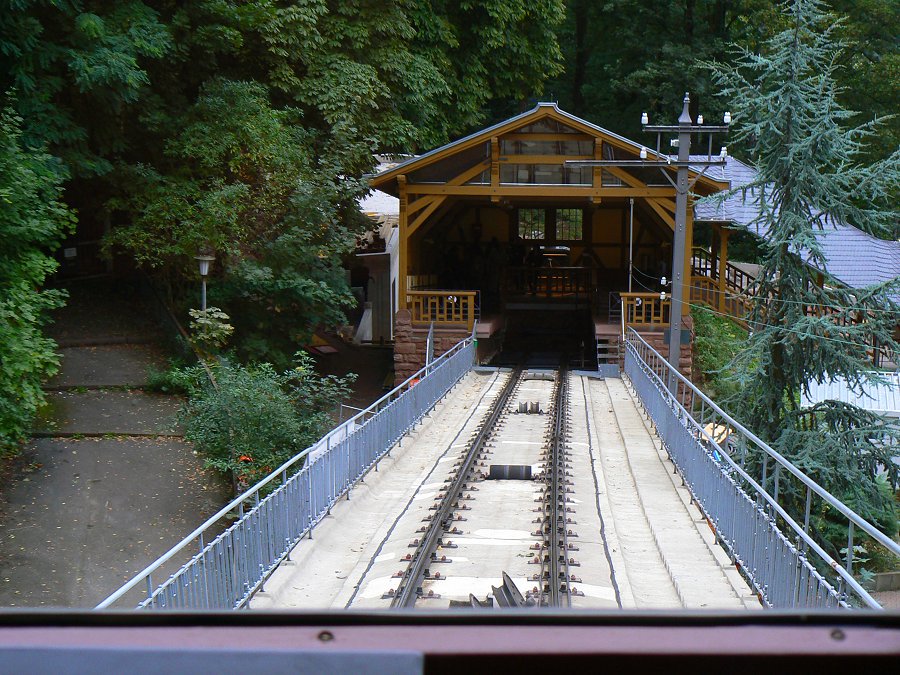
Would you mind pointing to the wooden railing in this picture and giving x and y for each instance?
(443, 308)
(551, 282)
(646, 310)
(736, 280)
(706, 290)
(705, 285)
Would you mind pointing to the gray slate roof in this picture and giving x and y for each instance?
(854, 257)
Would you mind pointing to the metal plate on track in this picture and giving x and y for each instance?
(510, 472)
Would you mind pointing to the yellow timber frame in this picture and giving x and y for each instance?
(420, 201)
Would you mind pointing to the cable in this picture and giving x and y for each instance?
(741, 295)
(787, 330)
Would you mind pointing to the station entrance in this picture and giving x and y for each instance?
(497, 233)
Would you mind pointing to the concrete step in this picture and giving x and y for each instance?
(106, 366)
(100, 413)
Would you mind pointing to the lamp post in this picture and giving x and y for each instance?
(682, 184)
(203, 261)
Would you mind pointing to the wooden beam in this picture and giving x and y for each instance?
(539, 159)
(437, 200)
(545, 191)
(513, 126)
(664, 215)
(468, 174)
(420, 204)
(495, 167)
(667, 204)
(597, 172)
(723, 265)
(422, 217)
(403, 253)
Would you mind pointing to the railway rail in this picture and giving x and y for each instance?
(553, 583)
(425, 553)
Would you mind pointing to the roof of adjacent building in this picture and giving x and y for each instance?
(855, 258)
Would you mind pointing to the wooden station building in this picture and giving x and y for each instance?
(498, 234)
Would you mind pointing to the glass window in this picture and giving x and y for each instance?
(568, 224)
(545, 174)
(546, 147)
(532, 223)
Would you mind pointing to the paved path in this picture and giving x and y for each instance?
(108, 484)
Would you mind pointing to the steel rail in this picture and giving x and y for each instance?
(826, 496)
(681, 417)
(559, 592)
(407, 591)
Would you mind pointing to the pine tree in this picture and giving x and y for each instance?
(803, 331)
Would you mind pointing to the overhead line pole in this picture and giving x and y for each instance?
(682, 185)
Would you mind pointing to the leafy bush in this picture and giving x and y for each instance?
(716, 342)
(176, 379)
(31, 220)
(210, 329)
(256, 418)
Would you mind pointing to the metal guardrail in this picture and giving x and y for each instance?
(878, 392)
(232, 566)
(714, 454)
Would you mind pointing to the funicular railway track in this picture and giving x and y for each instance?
(556, 577)
(553, 583)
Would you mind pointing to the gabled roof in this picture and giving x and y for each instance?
(855, 258)
(387, 180)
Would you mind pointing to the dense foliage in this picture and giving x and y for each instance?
(717, 340)
(787, 111)
(242, 129)
(32, 219)
(254, 418)
(623, 57)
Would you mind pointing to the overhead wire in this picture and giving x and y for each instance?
(736, 295)
(755, 323)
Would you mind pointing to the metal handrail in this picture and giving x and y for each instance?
(684, 415)
(342, 431)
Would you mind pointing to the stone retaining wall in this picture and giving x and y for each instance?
(410, 342)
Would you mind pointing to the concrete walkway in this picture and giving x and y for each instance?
(641, 543)
(108, 485)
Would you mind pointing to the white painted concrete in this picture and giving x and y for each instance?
(641, 544)
(325, 571)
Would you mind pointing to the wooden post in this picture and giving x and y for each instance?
(723, 263)
(495, 168)
(403, 266)
(597, 172)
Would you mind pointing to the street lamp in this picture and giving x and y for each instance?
(685, 128)
(203, 261)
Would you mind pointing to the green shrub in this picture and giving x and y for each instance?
(32, 220)
(176, 379)
(256, 418)
(716, 342)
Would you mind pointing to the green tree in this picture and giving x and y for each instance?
(787, 111)
(32, 219)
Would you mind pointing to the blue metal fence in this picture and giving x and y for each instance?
(232, 565)
(714, 453)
